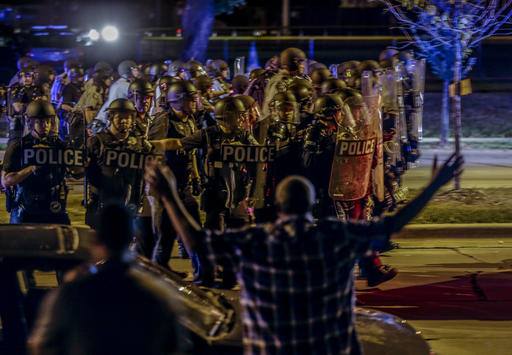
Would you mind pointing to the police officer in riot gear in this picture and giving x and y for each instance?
(347, 71)
(204, 115)
(156, 71)
(113, 184)
(304, 94)
(178, 122)
(141, 93)
(71, 94)
(129, 71)
(332, 85)
(318, 77)
(319, 148)
(36, 194)
(220, 74)
(282, 132)
(177, 70)
(292, 66)
(19, 95)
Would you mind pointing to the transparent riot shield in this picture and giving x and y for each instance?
(355, 148)
(418, 92)
(371, 94)
(390, 81)
(239, 66)
(402, 126)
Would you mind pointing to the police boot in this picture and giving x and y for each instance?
(379, 274)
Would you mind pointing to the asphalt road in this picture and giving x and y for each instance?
(484, 168)
(456, 292)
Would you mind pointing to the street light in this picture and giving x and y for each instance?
(110, 33)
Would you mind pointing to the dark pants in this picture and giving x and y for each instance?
(145, 240)
(19, 215)
(203, 269)
(220, 218)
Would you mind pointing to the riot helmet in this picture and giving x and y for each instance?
(253, 110)
(203, 83)
(220, 69)
(314, 65)
(163, 87)
(327, 106)
(292, 59)
(303, 91)
(44, 74)
(256, 73)
(332, 85)
(40, 114)
(121, 113)
(284, 105)
(273, 64)
(103, 66)
(39, 109)
(239, 84)
(347, 71)
(177, 69)
(156, 71)
(319, 76)
(141, 93)
(128, 69)
(24, 62)
(195, 69)
(182, 96)
(387, 53)
(231, 115)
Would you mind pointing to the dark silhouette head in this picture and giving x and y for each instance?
(295, 195)
(115, 228)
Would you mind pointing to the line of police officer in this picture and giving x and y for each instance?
(351, 129)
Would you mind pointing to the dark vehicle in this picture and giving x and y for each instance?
(50, 44)
(211, 316)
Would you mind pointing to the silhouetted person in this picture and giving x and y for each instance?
(296, 277)
(115, 309)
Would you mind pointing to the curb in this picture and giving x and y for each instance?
(477, 230)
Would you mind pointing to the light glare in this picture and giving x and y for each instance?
(109, 33)
(94, 35)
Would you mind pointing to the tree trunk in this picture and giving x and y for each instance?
(445, 114)
(456, 105)
(197, 24)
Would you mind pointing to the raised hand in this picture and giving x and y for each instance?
(161, 179)
(451, 168)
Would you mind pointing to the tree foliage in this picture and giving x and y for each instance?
(435, 27)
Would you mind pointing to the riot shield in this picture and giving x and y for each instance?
(239, 66)
(355, 148)
(372, 98)
(418, 91)
(402, 126)
(390, 82)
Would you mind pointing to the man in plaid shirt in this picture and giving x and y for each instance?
(296, 277)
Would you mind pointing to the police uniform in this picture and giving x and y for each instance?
(181, 163)
(21, 94)
(112, 184)
(41, 197)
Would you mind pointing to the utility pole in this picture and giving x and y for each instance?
(285, 17)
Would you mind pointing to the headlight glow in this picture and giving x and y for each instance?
(110, 33)
(94, 35)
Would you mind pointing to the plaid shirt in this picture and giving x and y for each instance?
(297, 281)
